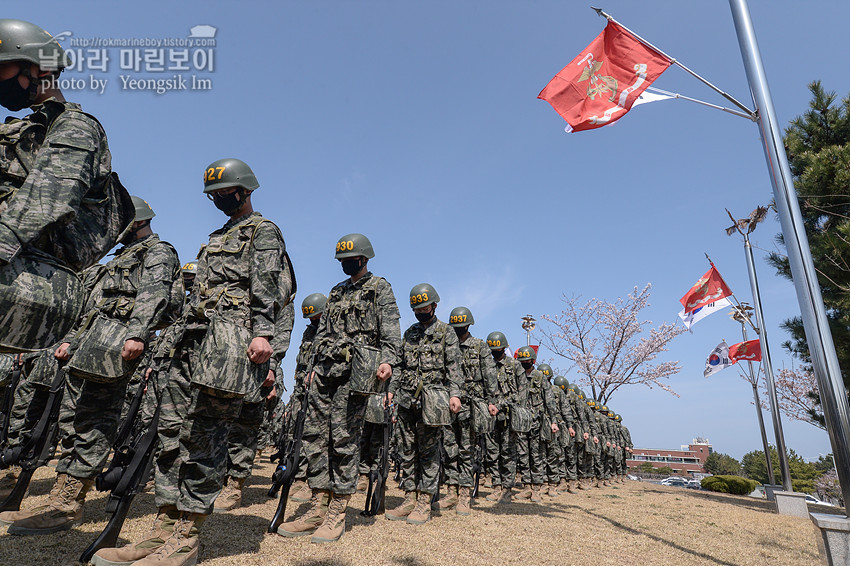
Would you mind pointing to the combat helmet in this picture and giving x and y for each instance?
(354, 245)
(423, 295)
(460, 317)
(23, 41)
(143, 209)
(546, 369)
(526, 353)
(561, 382)
(189, 269)
(229, 172)
(313, 305)
(496, 340)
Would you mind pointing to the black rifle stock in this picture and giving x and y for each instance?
(9, 402)
(289, 460)
(478, 464)
(378, 477)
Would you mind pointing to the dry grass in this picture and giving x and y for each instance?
(635, 523)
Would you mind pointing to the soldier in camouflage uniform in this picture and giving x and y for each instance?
(243, 438)
(576, 437)
(555, 466)
(312, 309)
(133, 295)
(513, 390)
(479, 387)
(360, 323)
(591, 440)
(541, 402)
(627, 447)
(427, 392)
(217, 356)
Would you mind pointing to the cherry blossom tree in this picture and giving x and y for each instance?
(609, 345)
(797, 391)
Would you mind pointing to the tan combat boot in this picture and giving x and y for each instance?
(300, 492)
(525, 493)
(422, 512)
(160, 531)
(506, 497)
(181, 548)
(535, 493)
(572, 486)
(230, 497)
(595, 482)
(333, 527)
(9, 517)
(497, 493)
(307, 523)
(464, 500)
(552, 490)
(63, 510)
(447, 502)
(362, 483)
(584, 483)
(401, 512)
(8, 481)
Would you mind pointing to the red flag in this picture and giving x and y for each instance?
(749, 351)
(600, 85)
(708, 289)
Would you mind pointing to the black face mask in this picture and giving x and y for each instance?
(12, 95)
(497, 354)
(351, 266)
(461, 331)
(228, 204)
(424, 316)
(314, 321)
(131, 235)
(527, 365)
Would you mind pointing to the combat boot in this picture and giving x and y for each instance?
(301, 492)
(8, 481)
(464, 499)
(160, 531)
(447, 502)
(181, 547)
(535, 493)
(401, 512)
(9, 517)
(552, 490)
(333, 527)
(572, 486)
(63, 510)
(506, 497)
(584, 483)
(524, 494)
(307, 523)
(362, 483)
(422, 512)
(595, 482)
(230, 497)
(495, 495)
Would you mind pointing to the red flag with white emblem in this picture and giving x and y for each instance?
(749, 351)
(600, 85)
(708, 289)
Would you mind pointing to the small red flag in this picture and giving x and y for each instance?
(749, 351)
(708, 289)
(600, 85)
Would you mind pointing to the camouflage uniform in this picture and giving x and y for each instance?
(601, 455)
(502, 452)
(479, 384)
(627, 443)
(241, 280)
(555, 449)
(431, 358)
(541, 402)
(573, 445)
(591, 448)
(302, 365)
(366, 312)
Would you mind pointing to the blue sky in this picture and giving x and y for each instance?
(418, 125)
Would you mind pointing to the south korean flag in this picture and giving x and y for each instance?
(717, 360)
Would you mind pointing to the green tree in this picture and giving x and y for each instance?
(721, 464)
(665, 471)
(818, 147)
(803, 474)
(647, 467)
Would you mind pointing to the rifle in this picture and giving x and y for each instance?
(478, 463)
(289, 458)
(9, 401)
(443, 457)
(378, 476)
(37, 446)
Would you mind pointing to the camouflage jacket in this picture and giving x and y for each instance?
(52, 163)
(282, 335)
(430, 356)
(627, 437)
(590, 418)
(364, 312)
(479, 371)
(140, 285)
(513, 385)
(580, 423)
(302, 364)
(565, 411)
(541, 399)
(241, 276)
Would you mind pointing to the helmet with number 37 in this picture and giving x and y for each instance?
(423, 295)
(460, 317)
(229, 172)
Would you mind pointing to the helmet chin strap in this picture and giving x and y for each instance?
(33, 88)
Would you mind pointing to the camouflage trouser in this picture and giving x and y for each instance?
(268, 432)
(242, 440)
(193, 429)
(88, 419)
(27, 396)
(505, 439)
(491, 457)
(534, 465)
(585, 460)
(554, 460)
(606, 464)
(571, 460)
(458, 443)
(420, 452)
(331, 439)
(522, 455)
(370, 444)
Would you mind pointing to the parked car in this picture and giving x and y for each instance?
(633, 478)
(675, 482)
(816, 501)
(694, 484)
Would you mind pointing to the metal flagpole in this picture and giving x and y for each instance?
(833, 395)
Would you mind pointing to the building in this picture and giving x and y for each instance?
(687, 460)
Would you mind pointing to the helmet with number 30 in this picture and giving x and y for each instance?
(354, 245)
(460, 317)
(423, 295)
(229, 172)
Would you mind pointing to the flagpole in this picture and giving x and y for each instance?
(749, 113)
(833, 394)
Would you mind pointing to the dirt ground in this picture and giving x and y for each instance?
(635, 523)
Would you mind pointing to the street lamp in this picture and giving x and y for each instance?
(528, 325)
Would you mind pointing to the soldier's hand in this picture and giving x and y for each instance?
(555, 427)
(269, 382)
(595, 440)
(572, 431)
(586, 435)
(385, 371)
(607, 443)
(388, 400)
(259, 350)
(494, 410)
(273, 393)
(309, 379)
(148, 373)
(133, 348)
(62, 351)
(454, 404)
